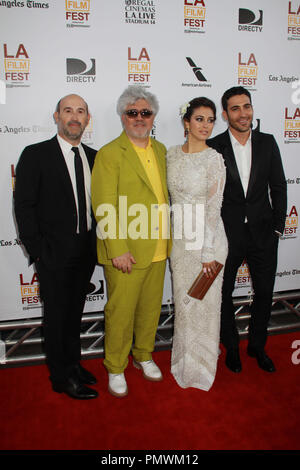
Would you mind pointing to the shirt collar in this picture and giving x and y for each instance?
(65, 146)
(235, 142)
(142, 149)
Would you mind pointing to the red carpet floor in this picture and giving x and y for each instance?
(253, 410)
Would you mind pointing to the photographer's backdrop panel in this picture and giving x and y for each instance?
(178, 49)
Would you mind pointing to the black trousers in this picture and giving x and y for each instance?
(63, 292)
(262, 261)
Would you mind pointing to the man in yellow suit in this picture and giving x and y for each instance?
(130, 202)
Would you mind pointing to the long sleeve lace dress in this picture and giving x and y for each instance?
(196, 183)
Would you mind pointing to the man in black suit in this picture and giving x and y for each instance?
(253, 212)
(56, 226)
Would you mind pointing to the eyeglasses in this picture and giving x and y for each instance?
(133, 113)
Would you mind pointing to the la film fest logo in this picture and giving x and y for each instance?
(250, 21)
(81, 71)
(293, 20)
(16, 66)
(292, 124)
(291, 223)
(77, 13)
(198, 73)
(247, 70)
(87, 136)
(243, 278)
(194, 16)
(140, 11)
(292, 116)
(139, 66)
(30, 291)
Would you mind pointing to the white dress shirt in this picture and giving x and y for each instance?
(243, 156)
(69, 159)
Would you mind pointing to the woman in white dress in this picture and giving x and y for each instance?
(196, 178)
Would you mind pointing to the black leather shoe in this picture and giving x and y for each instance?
(74, 389)
(264, 362)
(233, 361)
(84, 376)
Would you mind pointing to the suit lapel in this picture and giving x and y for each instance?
(133, 159)
(255, 159)
(230, 161)
(89, 156)
(58, 160)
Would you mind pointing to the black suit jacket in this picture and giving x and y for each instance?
(45, 206)
(265, 203)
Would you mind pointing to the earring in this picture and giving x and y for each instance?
(186, 132)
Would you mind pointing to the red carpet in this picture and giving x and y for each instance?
(253, 410)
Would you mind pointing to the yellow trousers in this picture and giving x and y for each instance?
(132, 313)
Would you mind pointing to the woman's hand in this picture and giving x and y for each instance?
(209, 268)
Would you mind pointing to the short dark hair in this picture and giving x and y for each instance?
(236, 90)
(196, 103)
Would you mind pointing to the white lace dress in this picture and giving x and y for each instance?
(196, 183)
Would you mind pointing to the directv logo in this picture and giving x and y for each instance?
(249, 21)
(80, 71)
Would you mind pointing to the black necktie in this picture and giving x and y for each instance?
(80, 191)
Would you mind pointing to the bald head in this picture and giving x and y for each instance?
(72, 117)
(58, 106)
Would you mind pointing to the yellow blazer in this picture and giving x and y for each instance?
(119, 173)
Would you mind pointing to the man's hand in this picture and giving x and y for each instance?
(124, 262)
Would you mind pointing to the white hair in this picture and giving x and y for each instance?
(132, 94)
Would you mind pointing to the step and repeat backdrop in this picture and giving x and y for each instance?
(178, 49)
